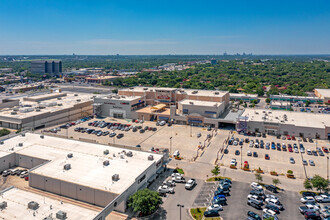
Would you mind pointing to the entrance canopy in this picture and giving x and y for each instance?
(158, 107)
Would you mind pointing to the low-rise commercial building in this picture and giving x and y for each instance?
(243, 97)
(46, 110)
(281, 105)
(323, 94)
(97, 174)
(294, 99)
(298, 124)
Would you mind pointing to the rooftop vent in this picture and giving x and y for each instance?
(33, 205)
(60, 104)
(106, 163)
(67, 166)
(42, 136)
(106, 152)
(23, 134)
(13, 113)
(191, 103)
(75, 94)
(194, 92)
(38, 110)
(3, 205)
(121, 156)
(115, 177)
(59, 98)
(20, 144)
(1, 142)
(145, 88)
(129, 154)
(150, 157)
(216, 93)
(70, 155)
(61, 215)
(48, 218)
(78, 100)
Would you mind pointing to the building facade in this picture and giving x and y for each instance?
(46, 66)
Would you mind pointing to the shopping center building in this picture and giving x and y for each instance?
(182, 106)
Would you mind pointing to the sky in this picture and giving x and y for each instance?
(138, 27)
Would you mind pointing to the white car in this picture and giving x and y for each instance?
(309, 152)
(165, 189)
(176, 174)
(190, 184)
(269, 212)
(233, 162)
(322, 198)
(249, 153)
(215, 207)
(274, 202)
(307, 199)
(256, 186)
(296, 150)
(235, 143)
(179, 179)
(270, 196)
(254, 197)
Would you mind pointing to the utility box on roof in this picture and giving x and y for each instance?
(61, 215)
(115, 177)
(67, 166)
(3, 205)
(33, 205)
(150, 157)
(129, 154)
(106, 162)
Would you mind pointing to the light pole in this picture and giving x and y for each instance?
(328, 169)
(190, 130)
(170, 145)
(241, 156)
(180, 206)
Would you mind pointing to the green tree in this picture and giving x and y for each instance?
(308, 103)
(258, 177)
(276, 181)
(319, 183)
(307, 184)
(145, 201)
(115, 91)
(215, 172)
(4, 132)
(268, 100)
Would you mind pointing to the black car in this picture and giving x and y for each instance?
(211, 213)
(305, 194)
(257, 193)
(254, 215)
(271, 188)
(237, 152)
(255, 154)
(254, 204)
(120, 135)
(226, 151)
(142, 131)
(247, 140)
(263, 135)
(272, 207)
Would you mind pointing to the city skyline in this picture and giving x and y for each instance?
(149, 28)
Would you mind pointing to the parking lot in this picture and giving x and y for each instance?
(279, 160)
(175, 137)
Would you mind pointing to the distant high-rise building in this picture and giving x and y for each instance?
(213, 61)
(46, 66)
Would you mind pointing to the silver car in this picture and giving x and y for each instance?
(311, 162)
(292, 160)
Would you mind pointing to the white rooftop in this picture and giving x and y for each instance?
(242, 95)
(86, 164)
(301, 119)
(17, 207)
(324, 92)
(200, 103)
(119, 97)
(51, 105)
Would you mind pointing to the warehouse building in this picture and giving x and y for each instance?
(21, 204)
(323, 94)
(46, 110)
(97, 174)
(297, 124)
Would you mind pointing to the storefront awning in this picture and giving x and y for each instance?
(158, 107)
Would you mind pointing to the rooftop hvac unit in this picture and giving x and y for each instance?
(106, 152)
(23, 134)
(61, 215)
(48, 218)
(59, 98)
(191, 103)
(121, 156)
(13, 113)
(106, 163)
(129, 154)
(42, 136)
(195, 92)
(1, 142)
(3, 205)
(78, 100)
(20, 144)
(70, 155)
(115, 177)
(59, 104)
(75, 94)
(145, 88)
(67, 166)
(216, 93)
(38, 110)
(33, 205)
(150, 157)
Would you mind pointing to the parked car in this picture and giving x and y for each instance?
(255, 204)
(165, 189)
(237, 152)
(211, 213)
(308, 208)
(267, 157)
(310, 194)
(304, 162)
(292, 160)
(120, 135)
(249, 153)
(271, 188)
(273, 208)
(274, 202)
(255, 154)
(190, 184)
(309, 152)
(307, 199)
(322, 199)
(179, 179)
(312, 215)
(170, 183)
(215, 207)
(256, 186)
(311, 162)
(253, 215)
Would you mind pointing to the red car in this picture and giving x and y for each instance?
(325, 149)
(267, 157)
(293, 138)
(246, 164)
(288, 137)
(290, 149)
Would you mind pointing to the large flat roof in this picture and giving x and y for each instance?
(324, 92)
(119, 97)
(51, 105)
(200, 103)
(86, 164)
(302, 119)
(17, 207)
